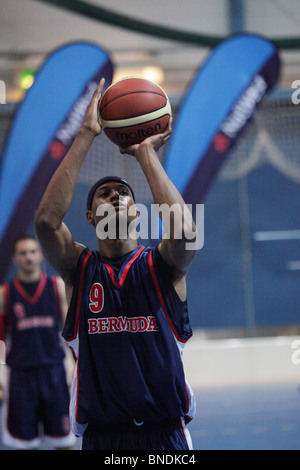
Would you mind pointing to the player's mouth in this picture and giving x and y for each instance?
(118, 207)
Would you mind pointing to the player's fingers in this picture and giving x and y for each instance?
(98, 90)
(168, 131)
(167, 134)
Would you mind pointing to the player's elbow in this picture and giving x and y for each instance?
(45, 223)
(187, 234)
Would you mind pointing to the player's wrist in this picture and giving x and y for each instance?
(88, 131)
(144, 152)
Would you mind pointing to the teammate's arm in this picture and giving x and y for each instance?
(2, 309)
(182, 227)
(57, 242)
(63, 304)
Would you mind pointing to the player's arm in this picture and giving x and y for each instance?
(182, 229)
(63, 304)
(57, 242)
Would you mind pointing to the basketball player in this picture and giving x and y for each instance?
(127, 321)
(32, 308)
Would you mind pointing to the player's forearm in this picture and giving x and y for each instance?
(2, 329)
(58, 195)
(164, 192)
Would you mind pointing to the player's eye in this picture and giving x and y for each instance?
(104, 194)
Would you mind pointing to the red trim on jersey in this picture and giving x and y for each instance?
(124, 273)
(38, 292)
(80, 291)
(162, 302)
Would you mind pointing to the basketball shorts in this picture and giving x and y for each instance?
(141, 438)
(36, 405)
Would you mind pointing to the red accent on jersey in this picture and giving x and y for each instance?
(80, 291)
(157, 288)
(38, 292)
(124, 274)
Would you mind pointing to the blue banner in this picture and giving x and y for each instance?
(43, 129)
(216, 109)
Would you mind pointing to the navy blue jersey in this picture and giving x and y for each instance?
(33, 324)
(127, 330)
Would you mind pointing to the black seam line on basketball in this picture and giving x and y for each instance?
(138, 124)
(132, 93)
(133, 117)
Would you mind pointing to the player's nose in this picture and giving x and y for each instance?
(114, 195)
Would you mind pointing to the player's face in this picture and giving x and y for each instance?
(28, 256)
(115, 194)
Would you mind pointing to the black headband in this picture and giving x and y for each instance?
(102, 181)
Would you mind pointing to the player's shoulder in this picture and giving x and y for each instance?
(144, 251)
(144, 254)
(2, 299)
(56, 280)
(4, 296)
(152, 257)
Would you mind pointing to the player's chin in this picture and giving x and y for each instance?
(29, 266)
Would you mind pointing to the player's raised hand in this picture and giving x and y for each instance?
(92, 116)
(154, 141)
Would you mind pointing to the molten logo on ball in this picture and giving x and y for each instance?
(139, 135)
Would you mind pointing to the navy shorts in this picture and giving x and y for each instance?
(139, 439)
(37, 404)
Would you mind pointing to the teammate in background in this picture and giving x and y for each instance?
(127, 321)
(32, 311)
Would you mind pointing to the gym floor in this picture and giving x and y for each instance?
(250, 417)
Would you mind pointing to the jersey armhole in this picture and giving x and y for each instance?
(161, 277)
(70, 330)
(163, 272)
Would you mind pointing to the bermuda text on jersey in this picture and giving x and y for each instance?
(120, 324)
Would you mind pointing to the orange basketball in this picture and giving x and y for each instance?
(133, 109)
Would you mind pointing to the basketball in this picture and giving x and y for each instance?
(133, 109)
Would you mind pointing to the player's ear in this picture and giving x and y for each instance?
(90, 217)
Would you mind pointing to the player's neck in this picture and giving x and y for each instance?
(114, 248)
(28, 277)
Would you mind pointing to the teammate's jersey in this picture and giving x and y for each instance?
(127, 330)
(33, 323)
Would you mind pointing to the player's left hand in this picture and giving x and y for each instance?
(154, 142)
(92, 116)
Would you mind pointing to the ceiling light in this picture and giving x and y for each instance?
(153, 73)
(26, 79)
